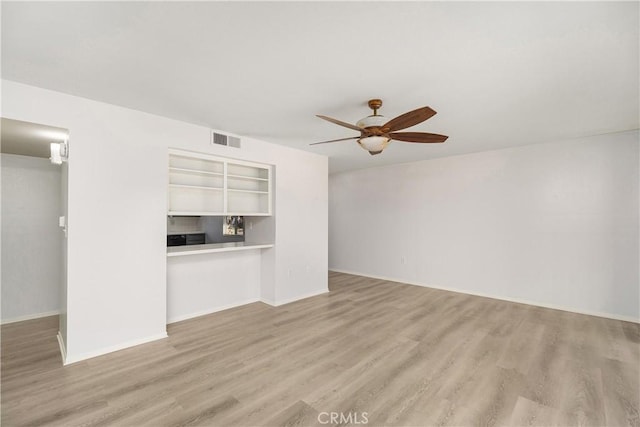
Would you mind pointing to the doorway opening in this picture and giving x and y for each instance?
(33, 222)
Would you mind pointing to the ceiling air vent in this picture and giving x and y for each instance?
(221, 139)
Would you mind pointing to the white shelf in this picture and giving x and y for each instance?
(247, 191)
(215, 213)
(194, 171)
(245, 170)
(252, 178)
(195, 213)
(241, 213)
(182, 162)
(197, 187)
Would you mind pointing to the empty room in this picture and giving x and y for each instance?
(320, 213)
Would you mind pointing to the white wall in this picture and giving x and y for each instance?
(301, 228)
(31, 238)
(63, 250)
(206, 283)
(116, 290)
(553, 224)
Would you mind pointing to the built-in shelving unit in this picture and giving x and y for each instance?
(202, 185)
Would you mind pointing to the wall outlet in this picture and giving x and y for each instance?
(403, 260)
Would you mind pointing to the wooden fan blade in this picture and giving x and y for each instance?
(419, 137)
(408, 119)
(338, 122)
(335, 140)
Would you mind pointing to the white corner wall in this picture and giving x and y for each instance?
(117, 176)
(31, 238)
(552, 224)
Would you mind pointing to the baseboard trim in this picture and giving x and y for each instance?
(210, 311)
(245, 302)
(30, 317)
(70, 359)
(516, 300)
(63, 350)
(294, 299)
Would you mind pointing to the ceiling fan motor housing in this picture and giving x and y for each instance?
(371, 121)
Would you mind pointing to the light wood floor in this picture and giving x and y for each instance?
(405, 355)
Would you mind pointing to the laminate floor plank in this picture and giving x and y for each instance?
(149, 415)
(421, 390)
(530, 413)
(403, 355)
(297, 415)
(519, 352)
(621, 389)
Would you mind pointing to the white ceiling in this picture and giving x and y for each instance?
(498, 74)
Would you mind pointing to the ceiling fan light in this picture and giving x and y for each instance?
(374, 144)
(369, 121)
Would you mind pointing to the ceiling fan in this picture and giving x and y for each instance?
(376, 131)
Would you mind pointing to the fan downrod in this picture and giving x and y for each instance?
(374, 104)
